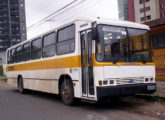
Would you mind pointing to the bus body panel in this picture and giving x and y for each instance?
(128, 71)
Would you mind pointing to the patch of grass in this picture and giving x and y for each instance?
(1, 73)
(150, 98)
(155, 99)
(4, 79)
(1, 70)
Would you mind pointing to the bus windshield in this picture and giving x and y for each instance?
(121, 44)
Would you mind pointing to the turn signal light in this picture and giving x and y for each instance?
(74, 84)
(100, 83)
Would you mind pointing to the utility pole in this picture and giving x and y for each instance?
(144, 5)
(9, 23)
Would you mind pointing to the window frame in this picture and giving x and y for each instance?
(157, 41)
(39, 38)
(142, 19)
(55, 44)
(66, 40)
(12, 56)
(26, 52)
(18, 54)
(97, 40)
(102, 48)
(148, 17)
(141, 1)
(9, 57)
(145, 9)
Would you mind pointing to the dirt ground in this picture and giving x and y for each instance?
(150, 106)
(3, 83)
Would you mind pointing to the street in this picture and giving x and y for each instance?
(43, 106)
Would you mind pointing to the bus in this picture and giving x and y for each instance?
(87, 59)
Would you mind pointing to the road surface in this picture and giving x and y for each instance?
(42, 106)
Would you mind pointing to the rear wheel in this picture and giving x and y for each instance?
(21, 86)
(67, 92)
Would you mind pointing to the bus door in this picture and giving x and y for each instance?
(87, 64)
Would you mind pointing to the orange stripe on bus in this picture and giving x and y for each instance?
(67, 62)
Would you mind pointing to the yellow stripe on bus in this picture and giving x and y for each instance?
(67, 62)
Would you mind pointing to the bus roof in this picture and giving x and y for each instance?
(107, 21)
(115, 22)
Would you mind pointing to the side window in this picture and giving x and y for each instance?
(18, 54)
(49, 45)
(89, 38)
(36, 49)
(26, 52)
(13, 55)
(66, 40)
(9, 57)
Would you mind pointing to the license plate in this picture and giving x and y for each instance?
(152, 87)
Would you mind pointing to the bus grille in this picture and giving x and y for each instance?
(122, 81)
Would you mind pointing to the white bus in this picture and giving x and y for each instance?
(92, 59)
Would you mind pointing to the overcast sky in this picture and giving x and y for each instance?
(38, 9)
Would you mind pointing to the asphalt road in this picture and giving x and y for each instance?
(42, 106)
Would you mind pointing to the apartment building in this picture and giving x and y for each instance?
(123, 9)
(12, 23)
(145, 10)
(162, 8)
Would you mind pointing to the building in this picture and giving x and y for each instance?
(131, 10)
(145, 10)
(12, 23)
(123, 9)
(162, 8)
(158, 45)
(2, 57)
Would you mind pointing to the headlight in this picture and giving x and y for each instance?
(151, 79)
(146, 79)
(105, 82)
(111, 82)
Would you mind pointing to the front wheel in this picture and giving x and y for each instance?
(67, 92)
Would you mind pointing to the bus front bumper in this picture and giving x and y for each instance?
(121, 90)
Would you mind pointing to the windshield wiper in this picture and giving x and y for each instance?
(115, 60)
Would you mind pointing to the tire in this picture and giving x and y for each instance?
(67, 93)
(21, 86)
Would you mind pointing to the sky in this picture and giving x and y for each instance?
(38, 9)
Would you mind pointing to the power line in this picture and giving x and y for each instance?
(82, 10)
(42, 22)
(69, 8)
(93, 3)
(52, 14)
